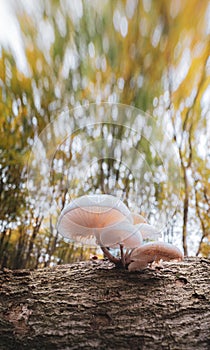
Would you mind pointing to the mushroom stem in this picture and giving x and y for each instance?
(122, 255)
(127, 256)
(110, 256)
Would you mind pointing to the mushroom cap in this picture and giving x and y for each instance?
(123, 233)
(156, 251)
(85, 217)
(138, 219)
(149, 231)
(150, 252)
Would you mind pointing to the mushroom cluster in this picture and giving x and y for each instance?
(106, 221)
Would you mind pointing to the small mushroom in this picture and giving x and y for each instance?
(124, 233)
(147, 231)
(153, 252)
(84, 218)
(138, 219)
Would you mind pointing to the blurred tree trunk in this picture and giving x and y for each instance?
(94, 306)
(19, 260)
(4, 243)
(35, 231)
(185, 211)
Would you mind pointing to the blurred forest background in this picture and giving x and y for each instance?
(153, 55)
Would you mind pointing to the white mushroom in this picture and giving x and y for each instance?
(149, 231)
(124, 233)
(106, 221)
(138, 219)
(84, 218)
(153, 252)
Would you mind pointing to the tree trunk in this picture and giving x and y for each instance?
(92, 305)
(186, 210)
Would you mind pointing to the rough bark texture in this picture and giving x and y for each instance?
(95, 306)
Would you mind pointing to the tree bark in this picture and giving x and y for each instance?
(93, 305)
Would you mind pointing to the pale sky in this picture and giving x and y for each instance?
(10, 35)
